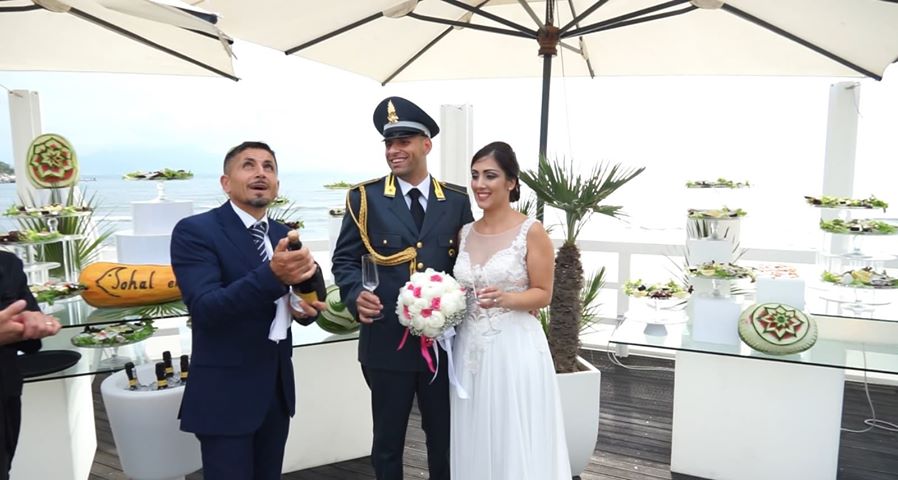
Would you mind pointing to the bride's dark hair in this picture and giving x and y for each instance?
(507, 161)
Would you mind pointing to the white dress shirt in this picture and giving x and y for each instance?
(282, 320)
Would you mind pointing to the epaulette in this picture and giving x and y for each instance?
(455, 188)
(366, 182)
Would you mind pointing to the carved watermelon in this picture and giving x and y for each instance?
(51, 162)
(336, 319)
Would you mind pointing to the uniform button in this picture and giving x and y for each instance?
(451, 252)
(385, 241)
(451, 241)
(419, 245)
(420, 266)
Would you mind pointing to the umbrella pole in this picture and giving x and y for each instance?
(548, 38)
(544, 121)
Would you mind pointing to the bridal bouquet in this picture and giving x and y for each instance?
(430, 303)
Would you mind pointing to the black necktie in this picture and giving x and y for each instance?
(416, 208)
(258, 231)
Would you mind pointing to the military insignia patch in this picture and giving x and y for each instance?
(392, 117)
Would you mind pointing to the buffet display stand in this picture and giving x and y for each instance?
(741, 414)
(58, 415)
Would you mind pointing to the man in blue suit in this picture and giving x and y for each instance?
(408, 221)
(233, 268)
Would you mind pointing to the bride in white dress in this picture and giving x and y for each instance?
(510, 425)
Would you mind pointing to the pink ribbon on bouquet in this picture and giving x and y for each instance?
(445, 341)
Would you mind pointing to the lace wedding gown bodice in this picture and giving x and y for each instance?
(510, 427)
(493, 260)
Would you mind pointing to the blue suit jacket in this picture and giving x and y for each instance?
(230, 294)
(392, 229)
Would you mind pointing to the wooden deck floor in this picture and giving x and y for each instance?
(634, 434)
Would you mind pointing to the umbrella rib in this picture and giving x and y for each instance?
(133, 36)
(24, 8)
(578, 18)
(474, 26)
(314, 41)
(417, 55)
(592, 73)
(631, 18)
(530, 12)
(826, 53)
(477, 10)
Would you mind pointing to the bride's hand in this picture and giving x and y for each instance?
(490, 297)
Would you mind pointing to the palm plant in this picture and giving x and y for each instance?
(589, 307)
(559, 185)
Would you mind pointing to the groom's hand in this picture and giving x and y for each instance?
(368, 305)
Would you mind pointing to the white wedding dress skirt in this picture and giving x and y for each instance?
(510, 427)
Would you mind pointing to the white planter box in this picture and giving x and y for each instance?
(580, 393)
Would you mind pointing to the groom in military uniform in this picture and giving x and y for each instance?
(408, 221)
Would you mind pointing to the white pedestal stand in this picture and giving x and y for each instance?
(743, 419)
(333, 414)
(58, 439)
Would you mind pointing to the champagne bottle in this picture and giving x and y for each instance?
(313, 288)
(169, 369)
(161, 382)
(132, 378)
(185, 369)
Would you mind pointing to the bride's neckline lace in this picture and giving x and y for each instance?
(517, 226)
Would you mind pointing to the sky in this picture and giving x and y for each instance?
(318, 118)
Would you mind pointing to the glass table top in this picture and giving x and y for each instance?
(172, 334)
(843, 342)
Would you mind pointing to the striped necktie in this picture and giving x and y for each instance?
(258, 231)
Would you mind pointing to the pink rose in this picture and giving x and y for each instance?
(425, 312)
(405, 312)
(417, 292)
(436, 278)
(435, 303)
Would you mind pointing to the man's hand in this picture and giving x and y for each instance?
(292, 267)
(17, 324)
(368, 305)
(305, 309)
(37, 325)
(10, 328)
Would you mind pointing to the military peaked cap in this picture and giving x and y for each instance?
(396, 117)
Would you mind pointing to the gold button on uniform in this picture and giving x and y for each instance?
(420, 266)
(385, 241)
(451, 242)
(419, 245)
(451, 252)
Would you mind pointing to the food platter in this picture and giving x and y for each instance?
(719, 183)
(114, 335)
(846, 202)
(716, 214)
(862, 278)
(55, 291)
(51, 210)
(29, 237)
(656, 291)
(720, 271)
(858, 227)
(159, 175)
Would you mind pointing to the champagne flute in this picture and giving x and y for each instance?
(479, 284)
(369, 278)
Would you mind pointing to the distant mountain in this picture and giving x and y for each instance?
(118, 161)
(5, 168)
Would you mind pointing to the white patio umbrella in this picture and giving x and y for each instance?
(395, 40)
(116, 36)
